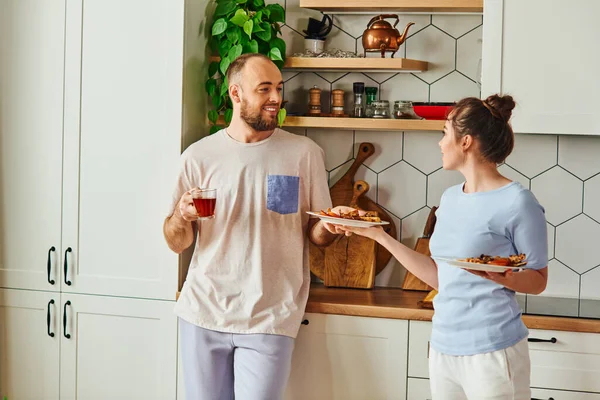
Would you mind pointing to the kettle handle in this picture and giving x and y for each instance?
(382, 17)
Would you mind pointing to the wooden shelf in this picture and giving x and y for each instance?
(364, 124)
(362, 64)
(426, 6)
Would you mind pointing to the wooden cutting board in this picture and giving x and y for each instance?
(350, 260)
(411, 282)
(343, 190)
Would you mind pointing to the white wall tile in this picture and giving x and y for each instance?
(421, 149)
(591, 200)
(337, 145)
(551, 240)
(533, 154)
(336, 173)
(393, 274)
(456, 25)
(576, 242)
(340, 40)
(550, 188)
(437, 48)
(401, 189)
(388, 148)
(438, 182)
(404, 87)
(589, 285)
(468, 54)
(562, 282)
(296, 17)
(453, 88)
(354, 24)
(412, 227)
(294, 42)
(365, 174)
(580, 155)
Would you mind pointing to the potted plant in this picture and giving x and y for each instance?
(241, 26)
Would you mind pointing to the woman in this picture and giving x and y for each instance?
(479, 343)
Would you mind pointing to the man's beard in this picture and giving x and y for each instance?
(255, 120)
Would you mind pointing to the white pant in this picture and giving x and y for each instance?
(499, 375)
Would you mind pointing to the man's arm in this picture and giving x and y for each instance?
(178, 229)
(318, 234)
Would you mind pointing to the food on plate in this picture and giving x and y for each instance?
(516, 260)
(370, 216)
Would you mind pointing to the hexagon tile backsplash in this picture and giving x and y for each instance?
(406, 175)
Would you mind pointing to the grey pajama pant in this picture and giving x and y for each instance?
(224, 366)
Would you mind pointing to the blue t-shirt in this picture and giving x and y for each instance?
(474, 315)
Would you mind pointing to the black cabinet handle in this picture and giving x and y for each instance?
(67, 335)
(536, 340)
(68, 282)
(50, 281)
(305, 322)
(51, 334)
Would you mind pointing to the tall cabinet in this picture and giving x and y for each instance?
(90, 136)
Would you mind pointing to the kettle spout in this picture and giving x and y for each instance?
(400, 39)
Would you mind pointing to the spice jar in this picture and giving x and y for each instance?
(404, 110)
(314, 104)
(337, 102)
(371, 93)
(381, 109)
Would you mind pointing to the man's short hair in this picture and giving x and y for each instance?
(234, 70)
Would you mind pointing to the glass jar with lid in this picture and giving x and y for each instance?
(381, 109)
(403, 109)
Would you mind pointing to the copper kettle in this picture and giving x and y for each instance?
(381, 36)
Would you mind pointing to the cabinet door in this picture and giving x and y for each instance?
(123, 110)
(418, 389)
(345, 358)
(543, 52)
(118, 348)
(543, 394)
(418, 349)
(31, 133)
(29, 344)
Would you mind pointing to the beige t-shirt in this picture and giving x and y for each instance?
(249, 272)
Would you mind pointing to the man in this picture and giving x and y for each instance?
(244, 297)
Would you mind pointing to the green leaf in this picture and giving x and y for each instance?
(219, 26)
(267, 12)
(258, 3)
(280, 44)
(235, 52)
(213, 116)
(248, 27)
(214, 129)
(266, 35)
(224, 48)
(239, 18)
(275, 54)
(225, 61)
(211, 86)
(257, 27)
(217, 102)
(242, 1)
(214, 44)
(277, 13)
(244, 39)
(251, 47)
(281, 116)
(228, 115)
(258, 16)
(225, 8)
(213, 68)
(233, 34)
(224, 87)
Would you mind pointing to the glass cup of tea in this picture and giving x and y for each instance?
(205, 201)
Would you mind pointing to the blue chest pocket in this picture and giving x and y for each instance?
(282, 193)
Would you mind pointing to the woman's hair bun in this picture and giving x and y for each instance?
(502, 105)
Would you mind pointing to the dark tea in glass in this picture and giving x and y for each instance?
(205, 201)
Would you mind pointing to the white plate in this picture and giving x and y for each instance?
(474, 266)
(347, 222)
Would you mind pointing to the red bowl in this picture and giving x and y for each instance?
(433, 110)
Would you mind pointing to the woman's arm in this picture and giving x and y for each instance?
(529, 281)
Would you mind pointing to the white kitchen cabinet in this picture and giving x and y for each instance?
(31, 104)
(351, 358)
(29, 345)
(103, 347)
(544, 53)
(418, 389)
(418, 349)
(543, 394)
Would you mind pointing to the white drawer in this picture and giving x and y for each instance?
(545, 394)
(418, 349)
(572, 363)
(418, 389)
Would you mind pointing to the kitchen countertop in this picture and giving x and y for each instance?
(403, 304)
(396, 303)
